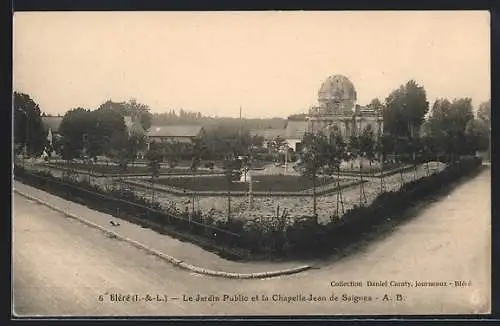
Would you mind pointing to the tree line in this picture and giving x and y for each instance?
(102, 131)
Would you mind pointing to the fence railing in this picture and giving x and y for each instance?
(108, 198)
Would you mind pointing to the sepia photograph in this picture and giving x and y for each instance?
(251, 163)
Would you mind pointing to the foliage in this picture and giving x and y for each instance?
(210, 123)
(134, 144)
(315, 152)
(477, 134)
(384, 146)
(93, 133)
(153, 155)
(318, 152)
(75, 124)
(140, 110)
(405, 109)
(448, 123)
(367, 144)
(484, 112)
(376, 105)
(225, 142)
(28, 128)
(257, 141)
(297, 117)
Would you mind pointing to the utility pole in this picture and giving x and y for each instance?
(239, 131)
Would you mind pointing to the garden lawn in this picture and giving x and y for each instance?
(278, 183)
(114, 169)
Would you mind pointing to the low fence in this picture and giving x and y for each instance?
(126, 174)
(237, 238)
(186, 226)
(375, 173)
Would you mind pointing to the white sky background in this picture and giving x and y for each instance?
(270, 63)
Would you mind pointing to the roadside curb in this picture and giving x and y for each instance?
(170, 259)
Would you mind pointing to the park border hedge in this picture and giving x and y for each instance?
(239, 239)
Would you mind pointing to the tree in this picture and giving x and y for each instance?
(199, 150)
(376, 105)
(154, 157)
(277, 145)
(484, 112)
(135, 143)
(484, 115)
(257, 141)
(430, 150)
(402, 150)
(118, 107)
(405, 109)
(297, 117)
(448, 122)
(226, 142)
(357, 145)
(336, 152)
(230, 166)
(477, 133)
(75, 124)
(29, 133)
(118, 150)
(139, 110)
(108, 122)
(367, 144)
(317, 153)
(383, 147)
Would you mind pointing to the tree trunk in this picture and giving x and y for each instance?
(229, 199)
(362, 196)
(339, 194)
(314, 197)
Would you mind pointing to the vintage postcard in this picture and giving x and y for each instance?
(251, 163)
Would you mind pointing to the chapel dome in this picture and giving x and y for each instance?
(337, 88)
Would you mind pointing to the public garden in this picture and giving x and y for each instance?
(217, 190)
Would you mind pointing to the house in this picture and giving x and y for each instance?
(184, 134)
(294, 132)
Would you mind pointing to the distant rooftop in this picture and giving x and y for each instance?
(268, 133)
(175, 131)
(296, 129)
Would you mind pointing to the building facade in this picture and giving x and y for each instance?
(338, 112)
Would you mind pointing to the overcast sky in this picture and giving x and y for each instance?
(270, 63)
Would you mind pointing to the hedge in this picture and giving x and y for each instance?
(277, 237)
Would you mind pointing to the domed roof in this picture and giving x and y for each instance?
(337, 88)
